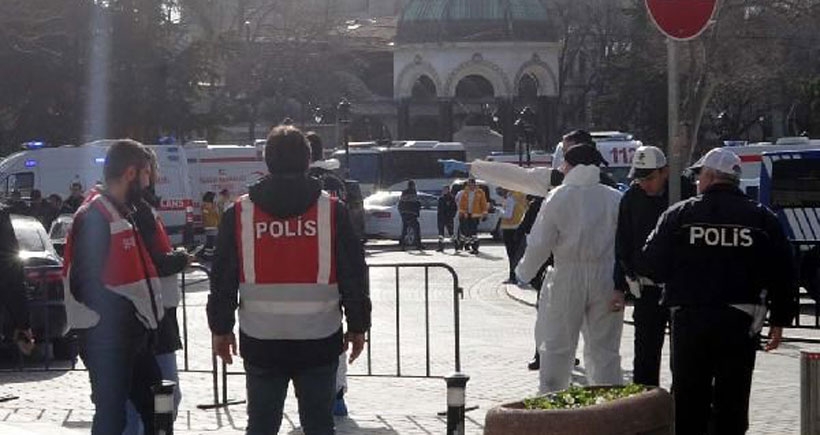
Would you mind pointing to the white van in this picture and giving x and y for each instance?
(213, 168)
(616, 147)
(53, 170)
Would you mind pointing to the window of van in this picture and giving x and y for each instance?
(795, 183)
(22, 181)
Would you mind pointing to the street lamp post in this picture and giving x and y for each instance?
(525, 126)
(343, 118)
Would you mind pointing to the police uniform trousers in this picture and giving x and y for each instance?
(713, 356)
(650, 319)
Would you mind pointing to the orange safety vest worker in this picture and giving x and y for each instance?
(170, 288)
(128, 271)
(287, 279)
(478, 206)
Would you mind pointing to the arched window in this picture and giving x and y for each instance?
(474, 87)
(424, 89)
(528, 87)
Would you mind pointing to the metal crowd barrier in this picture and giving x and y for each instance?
(456, 381)
(44, 304)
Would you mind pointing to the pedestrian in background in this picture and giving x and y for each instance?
(577, 224)
(169, 264)
(16, 205)
(641, 206)
(723, 258)
(54, 205)
(410, 210)
(210, 221)
(445, 214)
(472, 207)
(75, 198)
(301, 263)
(515, 206)
(38, 208)
(223, 201)
(113, 293)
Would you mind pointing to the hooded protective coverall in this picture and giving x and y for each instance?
(577, 224)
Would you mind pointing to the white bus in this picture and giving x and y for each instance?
(378, 168)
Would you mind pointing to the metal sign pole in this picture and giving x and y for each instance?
(674, 147)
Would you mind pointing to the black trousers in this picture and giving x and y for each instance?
(445, 225)
(713, 356)
(650, 330)
(407, 221)
(511, 245)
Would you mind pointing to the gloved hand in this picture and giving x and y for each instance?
(451, 165)
(634, 287)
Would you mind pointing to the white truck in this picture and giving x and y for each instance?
(53, 170)
(616, 147)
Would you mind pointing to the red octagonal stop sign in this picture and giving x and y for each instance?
(681, 19)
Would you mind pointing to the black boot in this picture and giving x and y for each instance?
(535, 364)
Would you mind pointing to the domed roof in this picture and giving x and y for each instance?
(474, 20)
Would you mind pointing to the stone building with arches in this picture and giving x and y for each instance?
(464, 63)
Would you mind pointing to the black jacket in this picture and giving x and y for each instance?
(12, 291)
(447, 208)
(722, 248)
(409, 203)
(637, 216)
(167, 264)
(288, 197)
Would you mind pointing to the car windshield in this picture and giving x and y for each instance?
(59, 229)
(364, 168)
(428, 201)
(383, 199)
(30, 234)
(619, 174)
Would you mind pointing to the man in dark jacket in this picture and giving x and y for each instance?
(445, 215)
(723, 258)
(410, 210)
(292, 284)
(640, 208)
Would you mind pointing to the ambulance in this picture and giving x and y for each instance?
(52, 170)
(616, 147)
(214, 168)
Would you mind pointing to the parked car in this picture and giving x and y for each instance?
(44, 289)
(382, 218)
(59, 232)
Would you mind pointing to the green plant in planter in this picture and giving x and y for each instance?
(579, 397)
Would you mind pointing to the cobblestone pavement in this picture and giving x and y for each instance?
(496, 343)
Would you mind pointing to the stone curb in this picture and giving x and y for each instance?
(516, 294)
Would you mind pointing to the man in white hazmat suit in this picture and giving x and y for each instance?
(577, 224)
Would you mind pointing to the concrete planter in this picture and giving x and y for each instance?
(649, 413)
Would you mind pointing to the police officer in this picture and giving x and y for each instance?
(640, 208)
(113, 295)
(289, 251)
(723, 258)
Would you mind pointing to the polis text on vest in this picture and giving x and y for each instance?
(291, 228)
(721, 236)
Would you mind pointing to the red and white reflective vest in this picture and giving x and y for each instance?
(287, 277)
(128, 270)
(170, 287)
